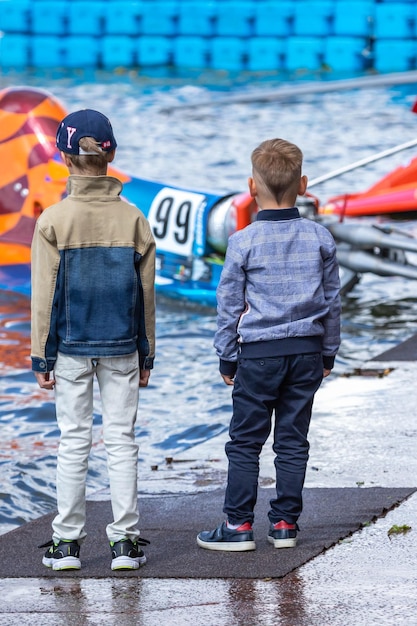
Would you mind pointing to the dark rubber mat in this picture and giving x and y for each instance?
(405, 351)
(172, 522)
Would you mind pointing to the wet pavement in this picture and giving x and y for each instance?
(367, 437)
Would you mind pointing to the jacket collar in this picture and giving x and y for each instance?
(278, 214)
(93, 186)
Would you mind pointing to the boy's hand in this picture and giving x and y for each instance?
(326, 373)
(228, 379)
(144, 377)
(44, 380)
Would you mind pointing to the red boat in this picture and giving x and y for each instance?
(394, 196)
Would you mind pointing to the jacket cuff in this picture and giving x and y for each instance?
(42, 365)
(328, 362)
(228, 368)
(146, 362)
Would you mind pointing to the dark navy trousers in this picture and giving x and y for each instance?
(283, 385)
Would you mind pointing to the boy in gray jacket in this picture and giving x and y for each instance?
(93, 314)
(278, 331)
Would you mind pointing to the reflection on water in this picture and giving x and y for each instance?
(296, 600)
(14, 332)
(284, 600)
(186, 402)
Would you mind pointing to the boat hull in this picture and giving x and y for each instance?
(394, 196)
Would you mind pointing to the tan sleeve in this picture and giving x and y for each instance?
(45, 265)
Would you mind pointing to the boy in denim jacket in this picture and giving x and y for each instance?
(278, 331)
(93, 315)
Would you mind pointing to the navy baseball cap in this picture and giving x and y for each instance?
(85, 123)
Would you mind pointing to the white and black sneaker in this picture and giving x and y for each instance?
(127, 554)
(63, 555)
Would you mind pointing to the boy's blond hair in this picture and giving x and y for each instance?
(93, 163)
(277, 166)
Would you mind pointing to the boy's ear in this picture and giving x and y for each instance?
(66, 158)
(111, 155)
(303, 185)
(252, 187)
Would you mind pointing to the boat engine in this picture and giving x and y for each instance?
(230, 214)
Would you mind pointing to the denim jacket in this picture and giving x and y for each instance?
(279, 291)
(93, 277)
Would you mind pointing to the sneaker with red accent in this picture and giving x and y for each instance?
(228, 539)
(283, 535)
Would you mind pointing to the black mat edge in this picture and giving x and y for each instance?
(330, 515)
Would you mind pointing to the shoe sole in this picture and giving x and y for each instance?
(283, 543)
(227, 546)
(126, 562)
(68, 562)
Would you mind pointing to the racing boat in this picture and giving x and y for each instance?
(394, 196)
(191, 227)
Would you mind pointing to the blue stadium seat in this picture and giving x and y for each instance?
(190, 52)
(227, 53)
(395, 55)
(49, 18)
(154, 51)
(313, 17)
(196, 18)
(160, 18)
(394, 20)
(353, 17)
(81, 51)
(47, 51)
(266, 53)
(305, 53)
(346, 54)
(14, 51)
(122, 18)
(14, 16)
(274, 19)
(235, 19)
(118, 51)
(85, 18)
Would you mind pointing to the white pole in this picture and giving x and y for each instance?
(353, 166)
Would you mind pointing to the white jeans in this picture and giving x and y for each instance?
(118, 380)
